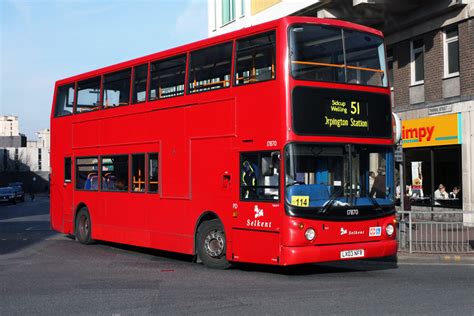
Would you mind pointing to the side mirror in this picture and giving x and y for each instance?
(276, 160)
(267, 167)
(269, 164)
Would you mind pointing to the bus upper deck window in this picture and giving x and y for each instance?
(64, 100)
(167, 78)
(210, 68)
(88, 95)
(117, 88)
(255, 59)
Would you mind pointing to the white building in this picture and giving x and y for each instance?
(34, 157)
(9, 125)
(230, 15)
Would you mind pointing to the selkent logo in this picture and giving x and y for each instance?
(420, 133)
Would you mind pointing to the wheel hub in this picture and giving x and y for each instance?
(84, 226)
(214, 244)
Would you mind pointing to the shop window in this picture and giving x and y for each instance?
(114, 173)
(87, 173)
(64, 100)
(117, 88)
(447, 174)
(259, 176)
(152, 173)
(417, 62)
(210, 68)
(88, 95)
(167, 78)
(138, 173)
(451, 52)
(418, 175)
(433, 176)
(139, 83)
(255, 59)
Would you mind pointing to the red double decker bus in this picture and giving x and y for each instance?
(270, 145)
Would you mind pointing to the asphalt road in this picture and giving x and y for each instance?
(42, 272)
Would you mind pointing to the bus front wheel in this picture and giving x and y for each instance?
(211, 245)
(83, 227)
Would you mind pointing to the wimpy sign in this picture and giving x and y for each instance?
(421, 133)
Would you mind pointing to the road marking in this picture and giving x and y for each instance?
(435, 264)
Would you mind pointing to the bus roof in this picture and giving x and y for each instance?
(282, 23)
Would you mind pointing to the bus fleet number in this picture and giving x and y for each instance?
(272, 143)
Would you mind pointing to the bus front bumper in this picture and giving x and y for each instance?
(337, 252)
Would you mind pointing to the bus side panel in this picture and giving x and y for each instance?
(61, 209)
(256, 246)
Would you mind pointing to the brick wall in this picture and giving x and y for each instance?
(401, 73)
(433, 42)
(466, 57)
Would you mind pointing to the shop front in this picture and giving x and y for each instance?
(433, 161)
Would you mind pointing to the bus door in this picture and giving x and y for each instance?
(64, 189)
(214, 177)
(256, 216)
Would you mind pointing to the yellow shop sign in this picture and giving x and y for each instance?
(432, 131)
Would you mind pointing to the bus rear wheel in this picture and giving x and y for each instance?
(83, 227)
(211, 245)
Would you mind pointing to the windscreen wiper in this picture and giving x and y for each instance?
(376, 204)
(331, 200)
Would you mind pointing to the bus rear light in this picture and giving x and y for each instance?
(310, 234)
(389, 229)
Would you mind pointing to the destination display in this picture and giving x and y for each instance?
(333, 112)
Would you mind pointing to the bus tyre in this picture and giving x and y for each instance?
(211, 244)
(83, 227)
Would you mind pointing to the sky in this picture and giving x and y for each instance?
(42, 41)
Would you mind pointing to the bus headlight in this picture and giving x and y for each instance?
(389, 229)
(310, 234)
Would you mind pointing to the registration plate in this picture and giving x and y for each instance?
(352, 253)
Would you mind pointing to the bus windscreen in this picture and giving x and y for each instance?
(327, 53)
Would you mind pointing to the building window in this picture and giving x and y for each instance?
(255, 59)
(228, 11)
(242, 8)
(86, 173)
(39, 159)
(433, 176)
(451, 52)
(117, 88)
(114, 173)
(153, 172)
(209, 68)
(213, 13)
(390, 66)
(417, 62)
